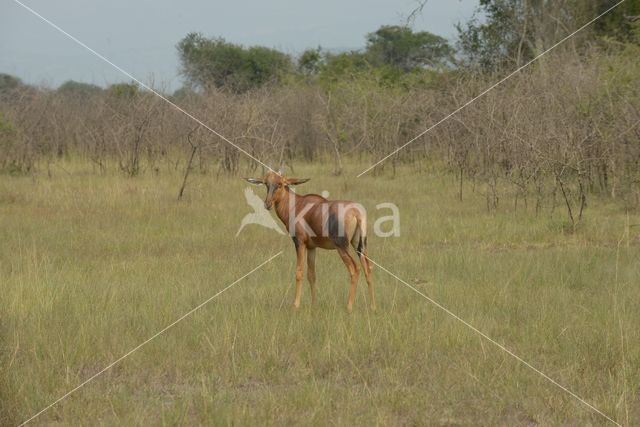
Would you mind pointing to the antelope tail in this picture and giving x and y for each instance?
(361, 249)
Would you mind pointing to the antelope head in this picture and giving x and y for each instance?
(277, 185)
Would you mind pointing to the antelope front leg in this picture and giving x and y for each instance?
(299, 273)
(311, 273)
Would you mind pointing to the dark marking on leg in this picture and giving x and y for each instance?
(296, 242)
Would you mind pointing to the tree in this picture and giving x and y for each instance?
(208, 63)
(512, 32)
(401, 47)
(9, 83)
(8, 159)
(183, 93)
(336, 66)
(622, 23)
(78, 89)
(123, 90)
(492, 43)
(264, 65)
(310, 61)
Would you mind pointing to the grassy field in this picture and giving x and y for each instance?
(91, 266)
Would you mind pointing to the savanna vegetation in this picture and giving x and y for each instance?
(92, 265)
(520, 213)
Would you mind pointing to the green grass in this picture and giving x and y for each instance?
(91, 266)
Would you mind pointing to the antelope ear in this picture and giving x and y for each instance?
(296, 181)
(256, 181)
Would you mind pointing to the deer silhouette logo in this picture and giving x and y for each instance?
(260, 216)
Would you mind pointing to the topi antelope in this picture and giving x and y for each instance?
(315, 222)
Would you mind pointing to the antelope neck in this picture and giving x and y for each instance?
(282, 206)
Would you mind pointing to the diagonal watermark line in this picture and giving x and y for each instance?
(497, 344)
(157, 334)
(147, 87)
(489, 89)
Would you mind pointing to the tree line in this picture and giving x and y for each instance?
(562, 130)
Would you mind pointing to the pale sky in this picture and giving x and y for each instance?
(140, 35)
